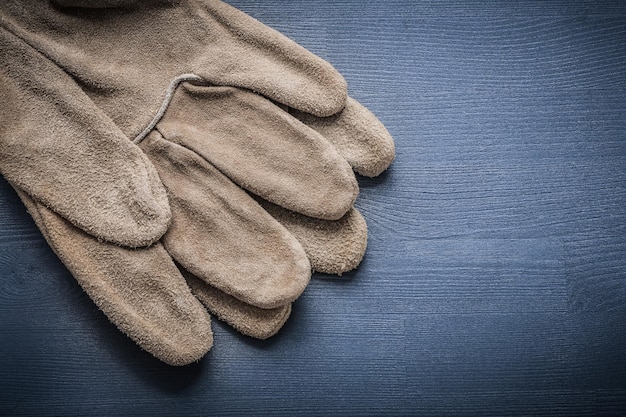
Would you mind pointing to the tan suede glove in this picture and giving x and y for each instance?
(136, 287)
(63, 145)
(84, 82)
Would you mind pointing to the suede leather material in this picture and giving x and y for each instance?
(247, 319)
(262, 148)
(57, 145)
(218, 231)
(333, 247)
(144, 294)
(152, 44)
(194, 186)
(103, 4)
(114, 67)
(357, 135)
(215, 123)
(80, 87)
(222, 235)
(235, 246)
(140, 290)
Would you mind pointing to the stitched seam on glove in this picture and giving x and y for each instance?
(169, 94)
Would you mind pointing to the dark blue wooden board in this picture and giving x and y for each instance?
(495, 279)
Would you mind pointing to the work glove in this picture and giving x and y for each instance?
(141, 290)
(94, 78)
(65, 144)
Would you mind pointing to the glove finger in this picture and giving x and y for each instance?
(58, 147)
(262, 148)
(219, 233)
(357, 135)
(249, 320)
(140, 290)
(333, 247)
(259, 58)
(162, 41)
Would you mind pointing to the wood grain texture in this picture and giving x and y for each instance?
(495, 278)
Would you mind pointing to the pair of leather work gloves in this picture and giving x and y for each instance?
(179, 157)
